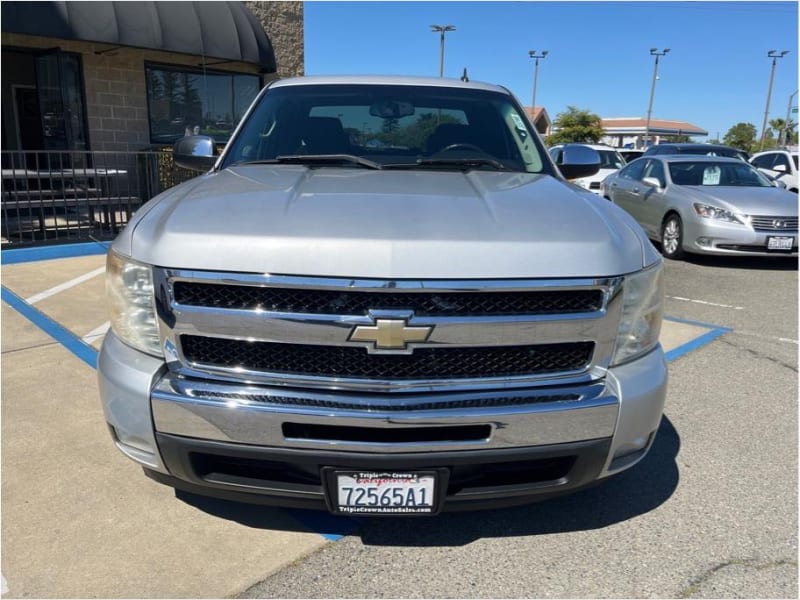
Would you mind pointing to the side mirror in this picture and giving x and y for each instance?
(578, 161)
(195, 152)
(778, 183)
(652, 182)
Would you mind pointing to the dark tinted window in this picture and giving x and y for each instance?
(185, 102)
(764, 162)
(633, 170)
(396, 125)
(655, 168)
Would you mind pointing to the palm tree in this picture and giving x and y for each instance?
(785, 129)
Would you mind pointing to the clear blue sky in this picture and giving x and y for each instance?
(716, 74)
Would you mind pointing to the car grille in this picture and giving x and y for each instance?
(367, 404)
(343, 302)
(594, 185)
(766, 223)
(355, 362)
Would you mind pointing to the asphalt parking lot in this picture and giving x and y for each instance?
(711, 512)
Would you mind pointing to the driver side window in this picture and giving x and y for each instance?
(633, 171)
(655, 169)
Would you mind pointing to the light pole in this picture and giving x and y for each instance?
(774, 55)
(784, 137)
(442, 29)
(536, 57)
(657, 54)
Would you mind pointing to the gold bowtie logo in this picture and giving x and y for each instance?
(390, 334)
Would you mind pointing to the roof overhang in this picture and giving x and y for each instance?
(219, 30)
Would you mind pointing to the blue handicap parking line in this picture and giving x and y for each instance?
(714, 331)
(331, 527)
(58, 332)
(14, 256)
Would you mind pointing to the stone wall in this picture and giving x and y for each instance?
(283, 22)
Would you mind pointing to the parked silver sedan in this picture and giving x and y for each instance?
(706, 205)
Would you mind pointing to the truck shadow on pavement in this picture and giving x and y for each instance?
(630, 494)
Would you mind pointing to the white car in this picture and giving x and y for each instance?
(610, 162)
(780, 165)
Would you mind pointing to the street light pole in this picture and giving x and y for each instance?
(784, 137)
(532, 54)
(657, 54)
(774, 55)
(442, 29)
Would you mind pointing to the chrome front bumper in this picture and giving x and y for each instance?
(141, 400)
(259, 416)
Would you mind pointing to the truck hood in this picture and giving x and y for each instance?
(343, 222)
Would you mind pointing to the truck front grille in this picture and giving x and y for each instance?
(354, 362)
(347, 302)
(384, 336)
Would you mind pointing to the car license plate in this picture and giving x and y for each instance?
(364, 493)
(780, 242)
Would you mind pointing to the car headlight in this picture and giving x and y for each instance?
(129, 286)
(642, 311)
(720, 214)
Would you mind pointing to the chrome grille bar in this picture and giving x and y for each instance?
(596, 326)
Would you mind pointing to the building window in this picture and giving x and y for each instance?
(186, 101)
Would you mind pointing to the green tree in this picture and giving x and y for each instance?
(576, 125)
(415, 134)
(777, 126)
(741, 135)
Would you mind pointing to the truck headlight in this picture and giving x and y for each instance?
(129, 286)
(642, 311)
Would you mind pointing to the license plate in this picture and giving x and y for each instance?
(360, 492)
(780, 243)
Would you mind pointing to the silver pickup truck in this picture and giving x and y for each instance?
(383, 298)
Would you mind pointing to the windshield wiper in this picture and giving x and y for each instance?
(464, 162)
(324, 159)
(311, 159)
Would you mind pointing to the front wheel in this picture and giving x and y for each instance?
(672, 238)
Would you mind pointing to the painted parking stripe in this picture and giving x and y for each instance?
(65, 286)
(705, 303)
(55, 330)
(714, 331)
(97, 332)
(14, 256)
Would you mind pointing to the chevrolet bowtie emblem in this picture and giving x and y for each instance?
(390, 334)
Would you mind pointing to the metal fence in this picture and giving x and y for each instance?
(73, 196)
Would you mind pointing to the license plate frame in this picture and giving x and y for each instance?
(780, 243)
(433, 481)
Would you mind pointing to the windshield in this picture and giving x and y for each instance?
(727, 174)
(610, 159)
(391, 126)
(715, 151)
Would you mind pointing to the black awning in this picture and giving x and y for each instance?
(219, 30)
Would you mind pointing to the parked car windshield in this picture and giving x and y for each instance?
(610, 159)
(717, 174)
(400, 126)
